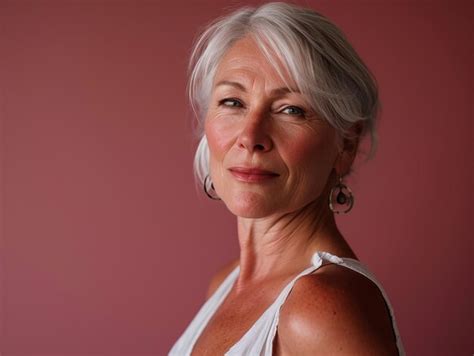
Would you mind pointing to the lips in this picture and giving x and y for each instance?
(252, 171)
(252, 175)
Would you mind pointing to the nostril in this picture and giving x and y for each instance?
(259, 147)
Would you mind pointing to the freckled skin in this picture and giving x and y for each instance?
(283, 221)
(301, 149)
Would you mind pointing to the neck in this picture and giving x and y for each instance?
(280, 246)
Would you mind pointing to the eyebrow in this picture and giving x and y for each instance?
(276, 92)
(232, 84)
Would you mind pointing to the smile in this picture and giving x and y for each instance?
(252, 175)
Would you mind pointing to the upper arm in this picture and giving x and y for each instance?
(335, 312)
(219, 277)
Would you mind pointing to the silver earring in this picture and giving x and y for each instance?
(210, 192)
(341, 199)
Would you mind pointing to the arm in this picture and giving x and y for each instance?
(335, 311)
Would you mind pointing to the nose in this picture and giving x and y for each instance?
(255, 134)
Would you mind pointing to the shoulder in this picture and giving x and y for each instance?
(336, 311)
(219, 277)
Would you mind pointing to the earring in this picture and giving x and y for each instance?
(341, 199)
(211, 193)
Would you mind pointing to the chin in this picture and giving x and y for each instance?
(249, 205)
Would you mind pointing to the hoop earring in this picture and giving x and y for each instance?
(213, 196)
(341, 199)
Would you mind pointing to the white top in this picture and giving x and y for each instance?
(259, 338)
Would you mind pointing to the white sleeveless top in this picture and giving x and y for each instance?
(259, 338)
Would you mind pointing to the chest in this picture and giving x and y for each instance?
(231, 322)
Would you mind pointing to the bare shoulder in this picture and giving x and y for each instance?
(219, 277)
(336, 311)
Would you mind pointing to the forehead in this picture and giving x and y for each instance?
(246, 60)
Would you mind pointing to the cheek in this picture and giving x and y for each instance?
(214, 137)
(219, 139)
(308, 155)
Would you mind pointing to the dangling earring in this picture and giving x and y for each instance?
(341, 199)
(214, 195)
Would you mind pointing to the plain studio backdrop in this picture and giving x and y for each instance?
(107, 247)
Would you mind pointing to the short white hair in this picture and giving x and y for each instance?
(322, 63)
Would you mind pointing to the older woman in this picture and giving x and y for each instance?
(284, 101)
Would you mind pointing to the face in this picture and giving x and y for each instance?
(269, 153)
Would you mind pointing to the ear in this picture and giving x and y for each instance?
(348, 149)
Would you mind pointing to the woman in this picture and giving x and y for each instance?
(284, 101)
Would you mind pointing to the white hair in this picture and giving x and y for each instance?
(317, 55)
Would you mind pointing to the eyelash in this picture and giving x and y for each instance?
(223, 102)
(301, 112)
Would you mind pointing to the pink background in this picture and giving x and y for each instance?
(106, 246)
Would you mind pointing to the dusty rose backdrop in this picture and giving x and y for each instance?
(107, 249)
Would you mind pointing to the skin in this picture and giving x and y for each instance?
(253, 120)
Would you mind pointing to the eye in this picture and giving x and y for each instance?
(230, 102)
(293, 111)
